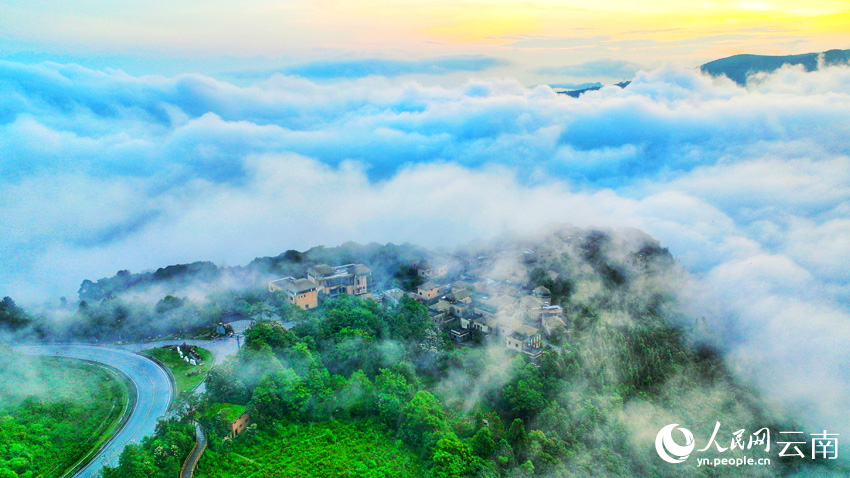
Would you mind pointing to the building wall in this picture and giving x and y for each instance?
(439, 318)
(305, 300)
(240, 424)
(513, 344)
(352, 285)
(361, 284)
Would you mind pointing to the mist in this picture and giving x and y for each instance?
(747, 187)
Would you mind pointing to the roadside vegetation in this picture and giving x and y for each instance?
(54, 411)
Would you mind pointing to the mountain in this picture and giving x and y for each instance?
(598, 86)
(739, 67)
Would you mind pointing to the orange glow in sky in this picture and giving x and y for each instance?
(531, 33)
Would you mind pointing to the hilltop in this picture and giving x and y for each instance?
(739, 67)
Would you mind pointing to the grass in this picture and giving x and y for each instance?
(186, 376)
(59, 411)
(356, 448)
(231, 411)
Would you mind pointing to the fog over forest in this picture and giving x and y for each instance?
(746, 186)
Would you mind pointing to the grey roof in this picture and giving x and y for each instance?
(428, 286)
(441, 306)
(553, 321)
(531, 302)
(395, 294)
(501, 302)
(461, 284)
(359, 269)
(321, 270)
(540, 290)
(524, 332)
(298, 286)
(460, 294)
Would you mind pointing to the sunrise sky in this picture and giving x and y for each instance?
(535, 41)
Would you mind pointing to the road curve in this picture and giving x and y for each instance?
(153, 395)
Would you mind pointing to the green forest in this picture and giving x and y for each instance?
(355, 368)
(356, 448)
(53, 411)
(358, 387)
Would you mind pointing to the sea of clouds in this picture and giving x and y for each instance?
(748, 187)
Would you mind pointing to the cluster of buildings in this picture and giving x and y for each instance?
(472, 305)
(519, 317)
(323, 281)
(489, 300)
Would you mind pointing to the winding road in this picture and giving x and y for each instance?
(153, 395)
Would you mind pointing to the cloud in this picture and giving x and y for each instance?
(595, 69)
(349, 69)
(748, 187)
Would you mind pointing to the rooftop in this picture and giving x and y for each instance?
(321, 270)
(441, 306)
(530, 302)
(395, 294)
(524, 332)
(428, 286)
(298, 286)
(501, 302)
(459, 294)
(359, 269)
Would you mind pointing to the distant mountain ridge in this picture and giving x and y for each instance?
(598, 86)
(738, 67)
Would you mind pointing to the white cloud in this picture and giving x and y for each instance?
(749, 188)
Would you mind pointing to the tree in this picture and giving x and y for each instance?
(12, 317)
(280, 395)
(452, 459)
(349, 312)
(482, 443)
(225, 384)
(169, 303)
(271, 333)
(357, 396)
(423, 421)
(524, 395)
(516, 434)
(410, 320)
(391, 393)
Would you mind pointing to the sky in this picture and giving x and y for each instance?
(136, 135)
(535, 41)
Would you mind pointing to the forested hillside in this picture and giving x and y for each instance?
(629, 364)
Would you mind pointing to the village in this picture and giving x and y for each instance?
(465, 296)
